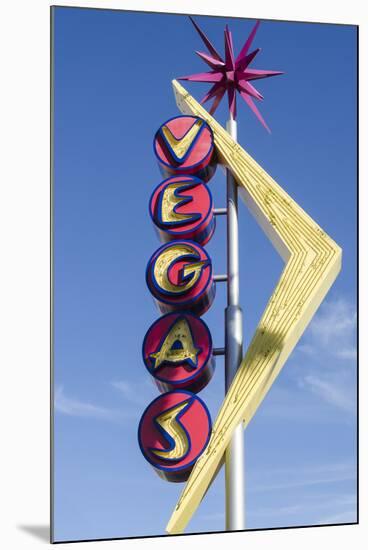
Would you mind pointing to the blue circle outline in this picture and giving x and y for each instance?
(211, 282)
(193, 165)
(193, 397)
(199, 371)
(197, 181)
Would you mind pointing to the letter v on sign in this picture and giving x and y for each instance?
(312, 260)
(180, 148)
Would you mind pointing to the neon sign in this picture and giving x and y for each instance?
(179, 276)
(173, 432)
(177, 349)
(184, 145)
(181, 207)
(178, 352)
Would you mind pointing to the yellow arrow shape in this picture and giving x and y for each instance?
(312, 260)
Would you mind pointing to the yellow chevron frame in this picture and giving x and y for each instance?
(313, 261)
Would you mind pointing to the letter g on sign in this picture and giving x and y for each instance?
(179, 276)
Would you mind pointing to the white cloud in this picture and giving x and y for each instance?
(327, 356)
(292, 406)
(127, 390)
(278, 511)
(135, 398)
(347, 516)
(331, 391)
(347, 510)
(216, 516)
(333, 330)
(72, 406)
(137, 394)
(303, 476)
(343, 507)
(318, 385)
(347, 353)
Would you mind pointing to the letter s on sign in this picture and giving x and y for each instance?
(173, 432)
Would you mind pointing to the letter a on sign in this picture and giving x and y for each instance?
(177, 347)
(177, 352)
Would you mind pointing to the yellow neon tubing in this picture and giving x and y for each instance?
(312, 263)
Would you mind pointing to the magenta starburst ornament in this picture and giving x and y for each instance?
(232, 74)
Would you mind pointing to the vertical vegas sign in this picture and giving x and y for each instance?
(176, 429)
(177, 349)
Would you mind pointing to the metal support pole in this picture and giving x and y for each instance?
(220, 211)
(234, 458)
(221, 278)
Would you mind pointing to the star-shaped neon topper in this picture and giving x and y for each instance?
(232, 75)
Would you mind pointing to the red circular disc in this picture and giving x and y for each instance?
(185, 145)
(179, 276)
(173, 433)
(181, 207)
(177, 351)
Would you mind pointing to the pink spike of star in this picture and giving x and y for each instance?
(231, 74)
(211, 61)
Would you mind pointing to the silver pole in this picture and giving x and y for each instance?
(234, 458)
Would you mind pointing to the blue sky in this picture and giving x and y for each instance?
(113, 73)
